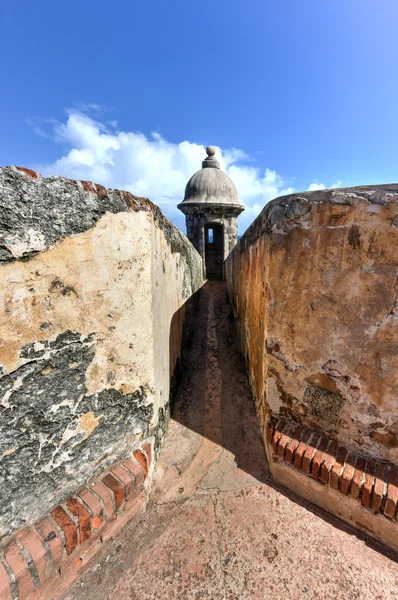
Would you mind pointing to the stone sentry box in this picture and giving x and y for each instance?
(211, 204)
(313, 283)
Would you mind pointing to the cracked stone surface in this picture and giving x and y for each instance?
(87, 342)
(314, 281)
(216, 528)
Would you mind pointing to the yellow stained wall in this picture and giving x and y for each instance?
(313, 283)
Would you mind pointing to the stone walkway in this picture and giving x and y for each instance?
(216, 528)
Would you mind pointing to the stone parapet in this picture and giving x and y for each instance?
(97, 293)
(313, 284)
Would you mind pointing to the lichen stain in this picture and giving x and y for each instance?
(59, 287)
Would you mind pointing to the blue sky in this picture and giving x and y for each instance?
(294, 93)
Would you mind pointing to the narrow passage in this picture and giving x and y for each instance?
(216, 528)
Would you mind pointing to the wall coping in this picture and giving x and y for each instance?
(285, 210)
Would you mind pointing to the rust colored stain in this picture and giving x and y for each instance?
(101, 191)
(88, 186)
(354, 236)
(387, 439)
(129, 200)
(29, 172)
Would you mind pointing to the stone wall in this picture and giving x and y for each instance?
(313, 283)
(96, 287)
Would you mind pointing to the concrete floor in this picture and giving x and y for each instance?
(216, 528)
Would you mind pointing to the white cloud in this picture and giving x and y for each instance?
(316, 186)
(321, 186)
(337, 184)
(151, 166)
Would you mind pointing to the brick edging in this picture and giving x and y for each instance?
(54, 548)
(371, 482)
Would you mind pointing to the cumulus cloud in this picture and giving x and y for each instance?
(151, 166)
(321, 186)
(316, 186)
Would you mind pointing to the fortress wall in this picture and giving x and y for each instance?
(96, 287)
(313, 283)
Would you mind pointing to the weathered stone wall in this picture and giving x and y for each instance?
(95, 288)
(314, 285)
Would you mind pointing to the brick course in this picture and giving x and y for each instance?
(309, 453)
(358, 478)
(68, 527)
(301, 448)
(69, 536)
(141, 458)
(319, 458)
(77, 509)
(106, 497)
(374, 484)
(368, 483)
(126, 479)
(327, 466)
(36, 549)
(117, 488)
(379, 486)
(292, 445)
(392, 494)
(136, 471)
(348, 473)
(94, 505)
(17, 563)
(50, 535)
(5, 586)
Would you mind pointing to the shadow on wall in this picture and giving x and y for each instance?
(212, 396)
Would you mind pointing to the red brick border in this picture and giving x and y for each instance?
(48, 553)
(373, 483)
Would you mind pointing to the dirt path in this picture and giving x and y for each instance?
(215, 528)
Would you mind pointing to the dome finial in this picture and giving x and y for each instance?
(210, 160)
